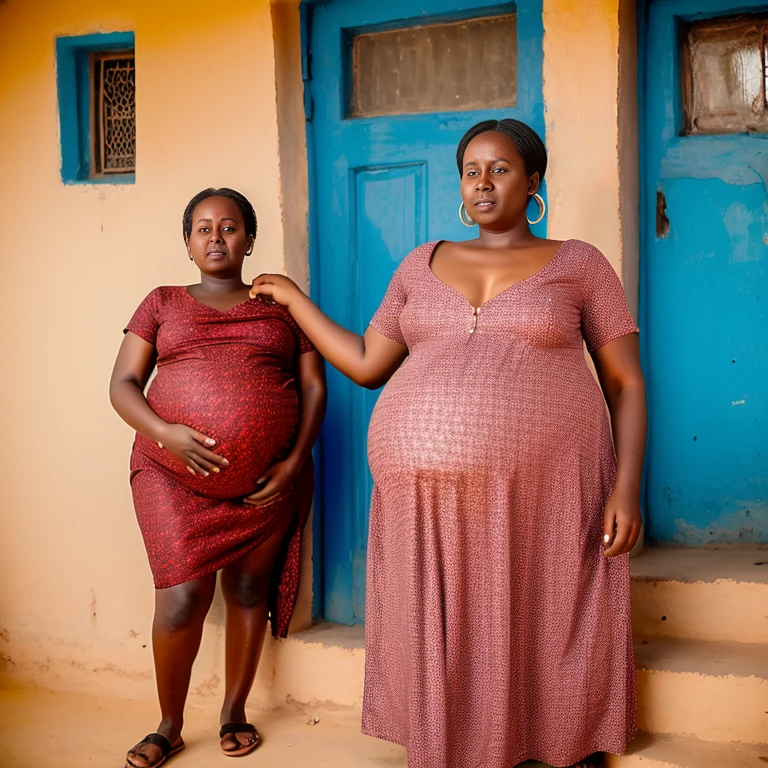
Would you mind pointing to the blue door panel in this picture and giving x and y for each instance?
(381, 186)
(704, 312)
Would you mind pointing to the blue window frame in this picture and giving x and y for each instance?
(75, 92)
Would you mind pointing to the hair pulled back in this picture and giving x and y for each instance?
(249, 215)
(527, 142)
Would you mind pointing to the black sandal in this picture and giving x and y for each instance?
(158, 740)
(593, 761)
(241, 749)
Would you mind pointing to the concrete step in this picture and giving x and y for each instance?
(323, 664)
(701, 594)
(657, 751)
(714, 691)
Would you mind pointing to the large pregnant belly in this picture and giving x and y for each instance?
(252, 416)
(503, 423)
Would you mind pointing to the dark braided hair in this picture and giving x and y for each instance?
(249, 215)
(525, 139)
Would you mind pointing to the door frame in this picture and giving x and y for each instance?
(536, 97)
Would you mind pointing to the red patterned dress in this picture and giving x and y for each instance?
(496, 630)
(232, 376)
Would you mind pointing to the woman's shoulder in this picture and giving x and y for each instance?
(580, 250)
(417, 258)
(164, 293)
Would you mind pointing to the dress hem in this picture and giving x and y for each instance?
(521, 759)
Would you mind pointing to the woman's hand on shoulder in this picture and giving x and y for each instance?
(192, 449)
(276, 481)
(279, 288)
(622, 522)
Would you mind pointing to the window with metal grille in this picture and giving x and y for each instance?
(96, 86)
(113, 113)
(724, 74)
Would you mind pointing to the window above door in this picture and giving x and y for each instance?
(442, 67)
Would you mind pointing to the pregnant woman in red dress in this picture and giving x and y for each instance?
(497, 620)
(221, 470)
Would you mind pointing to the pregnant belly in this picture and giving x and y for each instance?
(486, 424)
(251, 416)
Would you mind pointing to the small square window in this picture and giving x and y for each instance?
(96, 77)
(724, 75)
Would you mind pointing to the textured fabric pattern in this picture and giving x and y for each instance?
(230, 375)
(496, 630)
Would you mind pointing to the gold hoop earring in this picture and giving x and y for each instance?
(542, 209)
(464, 217)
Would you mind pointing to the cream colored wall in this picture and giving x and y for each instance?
(590, 94)
(212, 88)
(75, 590)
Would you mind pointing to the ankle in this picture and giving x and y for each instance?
(234, 713)
(170, 728)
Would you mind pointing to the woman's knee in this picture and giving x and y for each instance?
(246, 590)
(182, 606)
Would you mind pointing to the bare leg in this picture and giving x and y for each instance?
(245, 584)
(176, 632)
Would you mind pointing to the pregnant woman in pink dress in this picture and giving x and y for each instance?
(498, 619)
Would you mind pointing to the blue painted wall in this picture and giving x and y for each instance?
(379, 187)
(74, 88)
(703, 306)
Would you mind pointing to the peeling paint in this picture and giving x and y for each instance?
(741, 527)
(738, 219)
(209, 686)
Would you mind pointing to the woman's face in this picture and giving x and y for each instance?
(494, 185)
(218, 242)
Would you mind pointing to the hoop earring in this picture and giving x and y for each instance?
(464, 217)
(248, 253)
(542, 209)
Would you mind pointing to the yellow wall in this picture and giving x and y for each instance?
(75, 589)
(590, 93)
(213, 84)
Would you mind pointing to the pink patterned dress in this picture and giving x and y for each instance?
(496, 630)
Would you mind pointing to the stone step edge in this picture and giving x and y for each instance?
(650, 750)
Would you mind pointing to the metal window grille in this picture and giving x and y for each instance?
(113, 113)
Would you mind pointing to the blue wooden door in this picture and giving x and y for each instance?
(380, 186)
(705, 272)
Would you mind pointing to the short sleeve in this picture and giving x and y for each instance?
(386, 319)
(605, 315)
(302, 340)
(144, 322)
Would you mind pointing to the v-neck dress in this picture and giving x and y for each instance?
(496, 630)
(231, 375)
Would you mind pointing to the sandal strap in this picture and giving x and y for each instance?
(237, 728)
(157, 740)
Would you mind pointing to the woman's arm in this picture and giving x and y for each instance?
(618, 368)
(312, 399)
(368, 360)
(134, 364)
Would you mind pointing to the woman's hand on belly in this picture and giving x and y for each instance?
(192, 449)
(276, 480)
